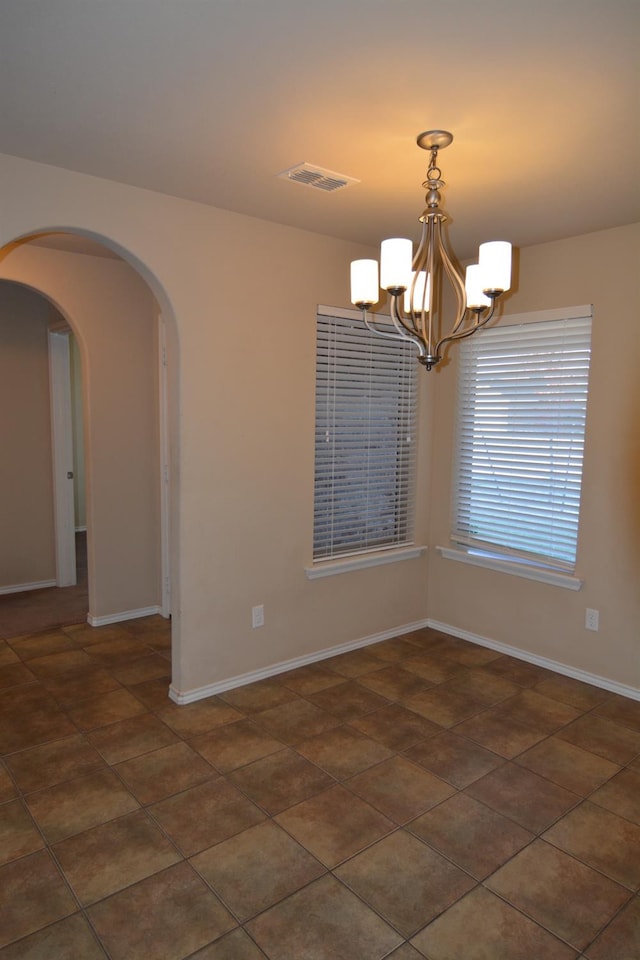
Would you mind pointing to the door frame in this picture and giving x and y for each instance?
(62, 456)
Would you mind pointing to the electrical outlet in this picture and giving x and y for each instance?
(257, 616)
(592, 619)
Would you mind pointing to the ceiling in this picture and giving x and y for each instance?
(210, 99)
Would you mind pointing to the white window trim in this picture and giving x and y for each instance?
(516, 568)
(331, 568)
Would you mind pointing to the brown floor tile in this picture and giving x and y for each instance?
(570, 766)
(131, 738)
(280, 780)
(405, 952)
(356, 663)
(76, 805)
(603, 737)
(431, 669)
(334, 825)
(621, 939)
(164, 772)
(42, 644)
(192, 719)
(53, 763)
(582, 696)
(396, 727)
(295, 721)
(322, 922)
(70, 689)
(394, 683)
(85, 635)
(204, 815)
(621, 710)
(621, 795)
(343, 752)
(235, 745)
(109, 708)
(153, 693)
(18, 834)
(114, 855)
(602, 841)
(255, 697)
(32, 895)
(234, 946)
(508, 738)
(117, 653)
(309, 679)
(482, 685)
(165, 916)
(23, 699)
(8, 790)
(471, 834)
(392, 651)
(483, 927)
(519, 671)
(401, 790)
(348, 700)
(14, 674)
(153, 667)
(534, 710)
(57, 664)
(7, 655)
(443, 706)
(404, 881)
(455, 759)
(530, 800)
(66, 940)
(568, 898)
(461, 651)
(38, 723)
(253, 870)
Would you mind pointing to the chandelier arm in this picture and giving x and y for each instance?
(398, 335)
(461, 334)
(458, 287)
(404, 331)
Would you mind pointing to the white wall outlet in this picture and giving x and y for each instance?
(592, 619)
(257, 616)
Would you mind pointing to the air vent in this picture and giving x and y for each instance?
(317, 177)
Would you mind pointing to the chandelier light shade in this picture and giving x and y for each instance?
(414, 283)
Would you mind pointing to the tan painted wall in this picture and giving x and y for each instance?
(113, 315)
(601, 269)
(27, 544)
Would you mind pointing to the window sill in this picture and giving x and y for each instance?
(529, 572)
(331, 568)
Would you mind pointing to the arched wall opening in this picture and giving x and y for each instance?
(125, 327)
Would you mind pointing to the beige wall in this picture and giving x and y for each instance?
(599, 269)
(114, 317)
(27, 545)
(239, 296)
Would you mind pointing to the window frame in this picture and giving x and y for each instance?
(329, 555)
(486, 553)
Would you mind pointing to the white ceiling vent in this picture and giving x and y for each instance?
(310, 175)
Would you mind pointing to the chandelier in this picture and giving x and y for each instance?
(414, 283)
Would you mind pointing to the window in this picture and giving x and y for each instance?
(365, 438)
(521, 420)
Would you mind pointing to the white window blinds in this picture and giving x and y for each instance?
(521, 422)
(365, 439)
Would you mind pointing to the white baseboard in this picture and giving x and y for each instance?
(574, 672)
(81, 529)
(188, 696)
(200, 693)
(23, 587)
(124, 615)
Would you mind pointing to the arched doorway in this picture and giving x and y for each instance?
(129, 399)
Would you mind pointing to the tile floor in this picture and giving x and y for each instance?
(420, 798)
